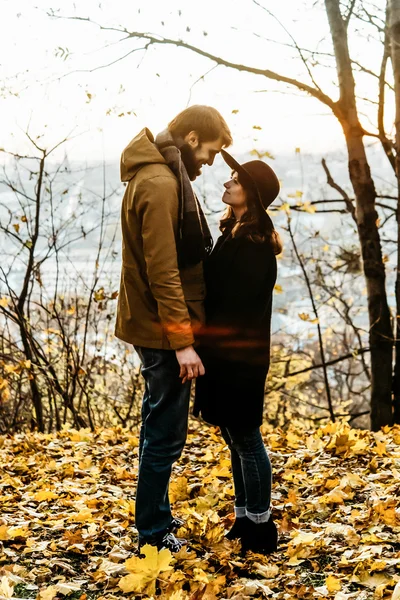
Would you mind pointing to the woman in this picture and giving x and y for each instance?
(240, 275)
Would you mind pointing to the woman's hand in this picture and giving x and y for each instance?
(190, 364)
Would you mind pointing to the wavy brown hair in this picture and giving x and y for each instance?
(255, 223)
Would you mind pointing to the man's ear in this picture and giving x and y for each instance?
(192, 138)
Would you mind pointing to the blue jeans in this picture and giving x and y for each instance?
(252, 473)
(163, 435)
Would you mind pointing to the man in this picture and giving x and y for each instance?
(165, 237)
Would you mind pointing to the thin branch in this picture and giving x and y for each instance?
(321, 344)
(113, 62)
(350, 206)
(197, 81)
(349, 14)
(329, 363)
(304, 60)
(386, 143)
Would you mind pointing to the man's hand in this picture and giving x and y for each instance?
(190, 363)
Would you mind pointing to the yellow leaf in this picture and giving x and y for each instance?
(82, 516)
(378, 565)
(48, 593)
(6, 589)
(261, 155)
(278, 289)
(99, 295)
(380, 448)
(132, 583)
(4, 302)
(325, 248)
(299, 194)
(178, 489)
(336, 496)
(308, 207)
(3, 533)
(305, 538)
(200, 575)
(221, 472)
(16, 227)
(178, 595)
(333, 584)
(44, 495)
(144, 571)
(297, 150)
(15, 532)
(304, 316)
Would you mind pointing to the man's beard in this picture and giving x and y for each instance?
(189, 160)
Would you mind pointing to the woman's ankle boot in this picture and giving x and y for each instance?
(236, 530)
(259, 537)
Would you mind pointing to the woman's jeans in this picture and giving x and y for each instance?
(163, 435)
(252, 473)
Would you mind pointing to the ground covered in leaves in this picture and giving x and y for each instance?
(67, 523)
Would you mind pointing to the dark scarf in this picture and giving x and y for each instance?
(194, 242)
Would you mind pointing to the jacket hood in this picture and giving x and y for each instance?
(139, 152)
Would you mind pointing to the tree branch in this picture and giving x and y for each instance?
(349, 14)
(160, 40)
(350, 206)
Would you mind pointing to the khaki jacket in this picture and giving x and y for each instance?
(159, 305)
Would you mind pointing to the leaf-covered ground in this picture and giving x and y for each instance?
(67, 524)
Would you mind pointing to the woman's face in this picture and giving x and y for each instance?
(235, 194)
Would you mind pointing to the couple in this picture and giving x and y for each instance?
(197, 313)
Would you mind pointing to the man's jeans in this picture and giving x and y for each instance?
(252, 473)
(163, 434)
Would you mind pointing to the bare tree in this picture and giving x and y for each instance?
(394, 46)
(55, 318)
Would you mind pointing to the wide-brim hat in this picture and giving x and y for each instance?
(257, 176)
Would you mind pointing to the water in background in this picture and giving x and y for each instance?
(77, 194)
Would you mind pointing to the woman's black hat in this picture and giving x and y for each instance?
(256, 175)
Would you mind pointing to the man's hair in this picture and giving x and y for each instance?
(205, 120)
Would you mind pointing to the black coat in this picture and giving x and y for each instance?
(235, 344)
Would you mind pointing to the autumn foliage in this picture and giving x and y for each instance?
(68, 521)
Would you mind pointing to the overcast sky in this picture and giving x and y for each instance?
(40, 58)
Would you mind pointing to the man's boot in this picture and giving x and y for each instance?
(176, 524)
(167, 541)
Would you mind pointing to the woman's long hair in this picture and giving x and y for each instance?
(255, 223)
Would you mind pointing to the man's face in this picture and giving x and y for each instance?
(203, 153)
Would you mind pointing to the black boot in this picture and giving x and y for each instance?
(176, 524)
(259, 537)
(236, 530)
(167, 541)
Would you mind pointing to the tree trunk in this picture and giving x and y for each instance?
(394, 34)
(380, 333)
